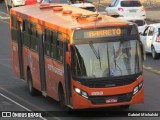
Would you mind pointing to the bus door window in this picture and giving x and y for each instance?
(26, 33)
(54, 36)
(14, 28)
(60, 47)
(47, 42)
(34, 37)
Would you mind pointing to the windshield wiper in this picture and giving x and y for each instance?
(97, 54)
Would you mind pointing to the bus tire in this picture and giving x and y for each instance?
(125, 106)
(32, 90)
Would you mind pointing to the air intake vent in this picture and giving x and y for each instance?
(76, 15)
(67, 12)
(58, 8)
(89, 18)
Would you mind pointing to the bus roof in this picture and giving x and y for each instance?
(47, 16)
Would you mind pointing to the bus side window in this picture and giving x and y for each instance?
(14, 28)
(60, 47)
(26, 36)
(54, 35)
(34, 37)
(47, 42)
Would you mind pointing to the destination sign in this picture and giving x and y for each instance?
(81, 34)
(103, 33)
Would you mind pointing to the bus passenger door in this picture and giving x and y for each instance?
(67, 73)
(42, 64)
(20, 49)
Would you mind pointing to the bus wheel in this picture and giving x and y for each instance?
(32, 91)
(125, 106)
(61, 97)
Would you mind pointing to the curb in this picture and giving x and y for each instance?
(150, 69)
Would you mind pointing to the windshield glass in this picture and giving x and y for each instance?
(138, 22)
(131, 4)
(96, 60)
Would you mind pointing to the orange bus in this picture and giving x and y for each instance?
(81, 59)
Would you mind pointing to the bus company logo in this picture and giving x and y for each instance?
(6, 114)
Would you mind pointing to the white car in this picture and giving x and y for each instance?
(14, 3)
(141, 23)
(151, 39)
(86, 6)
(126, 8)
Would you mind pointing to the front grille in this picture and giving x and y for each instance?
(102, 99)
(110, 82)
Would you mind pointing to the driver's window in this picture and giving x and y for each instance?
(146, 31)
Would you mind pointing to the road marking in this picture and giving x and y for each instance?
(19, 104)
(4, 18)
(21, 99)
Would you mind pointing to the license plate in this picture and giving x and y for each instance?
(111, 100)
(132, 10)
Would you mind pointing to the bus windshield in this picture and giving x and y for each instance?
(110, 59)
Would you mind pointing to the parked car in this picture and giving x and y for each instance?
(151, 40)
(87, 6)
(141, 23)
(126, 8)
(14, 3)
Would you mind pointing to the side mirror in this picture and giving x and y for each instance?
(68, 58)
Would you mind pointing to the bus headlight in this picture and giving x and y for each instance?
(81, 92)
(137, 88)
(77, 90)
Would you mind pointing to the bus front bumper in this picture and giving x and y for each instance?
(80, 102)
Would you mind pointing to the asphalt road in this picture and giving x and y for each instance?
(17, 91)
